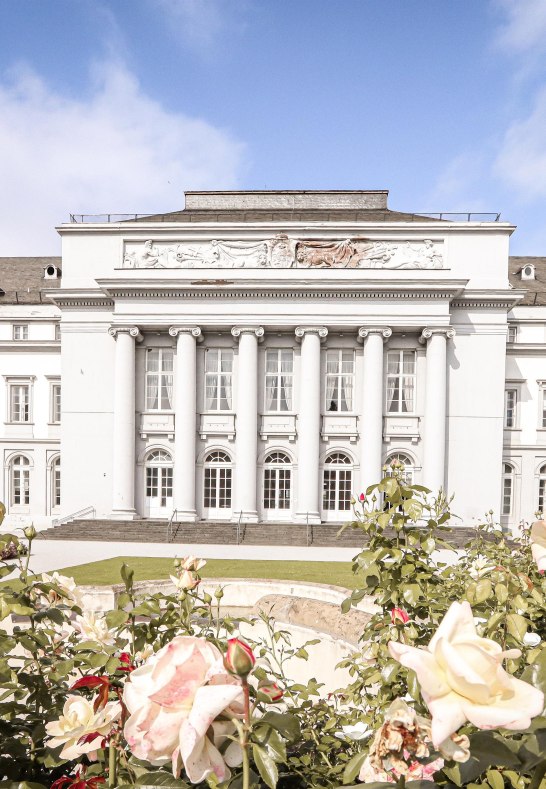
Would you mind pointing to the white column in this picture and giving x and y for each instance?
(309, 423)
(435, 406)
(123, 475)
(246, 425)
(371, 419)
(185, 435)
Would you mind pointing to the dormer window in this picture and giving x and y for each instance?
(528, 271)
(52, 272)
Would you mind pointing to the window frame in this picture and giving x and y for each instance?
(512, 333)
(56, 481)
(508, 476)
(224, 381)
(279, 387)
(23, 485)
(163, 383)
(14, 384)
(400, 376)
(24, 329)
(511, 422)
(541, 491)
(55, 402)
(339, 382)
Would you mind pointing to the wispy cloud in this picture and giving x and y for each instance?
(203, 24)
(523, 25)
(118, 150)
(521, 159)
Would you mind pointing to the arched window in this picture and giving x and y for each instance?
(56, 482)
(337, 483)
(218, 479)
(277, 481)
(507, 489)
(541, 503)
(407, 472)
(20, 480)
(159, 482)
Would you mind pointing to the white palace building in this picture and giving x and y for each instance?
(259, 356)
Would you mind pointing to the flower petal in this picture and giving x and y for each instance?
(430, 676)
(514, 711)
(447, 716)
(458, 623)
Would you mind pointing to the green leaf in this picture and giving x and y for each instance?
(501, 592)
(346, 605)
(411, 593)
(413, 509)
(116, 618)
(285, 723)
(516, 625)
(161, 779)
(495, 779)
(389, 486)
(266, 766)
(483, 590)
(353, 767)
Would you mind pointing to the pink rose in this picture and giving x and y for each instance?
(462, 679)
(174, 700)
(399, 616)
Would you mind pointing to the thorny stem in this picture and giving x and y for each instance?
(112, 764)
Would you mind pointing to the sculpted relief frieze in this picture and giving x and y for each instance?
(284, 252)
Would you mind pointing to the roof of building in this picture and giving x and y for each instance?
(536, 288)
(22, 279)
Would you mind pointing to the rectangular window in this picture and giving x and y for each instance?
(512, 333)
(507, 490)
(20, 331)
(20, 486)
(279, 373)
(218, 379)
(340, 373)
(401, 382)
(19, 403)
(159, 379)
(56, 403)
(510, 404)
(57, 331)
(543, 408)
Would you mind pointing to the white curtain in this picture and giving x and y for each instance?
(167, 394)
(286, 392)
(211, 391)
(152, 391)
(271, 392)
(331, 404)
(225, 392)
(392, 390)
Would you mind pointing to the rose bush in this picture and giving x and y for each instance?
(162, 690)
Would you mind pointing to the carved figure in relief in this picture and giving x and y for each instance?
(147, 257)
(238, 254)
(378, 255)
(282, 251)
(325, 254)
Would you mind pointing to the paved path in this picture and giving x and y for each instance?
(56, 554)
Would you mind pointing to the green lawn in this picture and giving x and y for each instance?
(107, 571)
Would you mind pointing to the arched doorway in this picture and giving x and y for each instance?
(159, 484)
(277, 486)
(337, 487)
(217, 485)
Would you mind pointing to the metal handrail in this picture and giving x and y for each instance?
(238, 538)
(170, 535)
(414, 216)
(79, 514)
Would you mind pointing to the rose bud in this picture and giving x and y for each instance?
(29, 532)
(269, 691)
(239, 658)
(399, 616)
(362, 498)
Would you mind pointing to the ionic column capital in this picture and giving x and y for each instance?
(132, 331)
(258, 331)
(430, 331)
(301, 331)
(384, 331)
(195, 331)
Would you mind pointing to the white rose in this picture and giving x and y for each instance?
(94, 628)
(462, 679)
(67, 585)
(78, 721)
(531, 639)
(538, 544)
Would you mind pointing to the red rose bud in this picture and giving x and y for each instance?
(399, 616)
(269, 691)
(239, 658)
(362, 497)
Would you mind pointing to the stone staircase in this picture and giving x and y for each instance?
(205, 532)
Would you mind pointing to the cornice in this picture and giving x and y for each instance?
(492, 299)
(527, 348)
(25, 346)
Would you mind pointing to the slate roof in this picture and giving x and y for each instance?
(22, 279)
(288, 215)
(536, 288)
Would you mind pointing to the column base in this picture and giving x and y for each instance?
(308, 517)
(185, 516)
(124, 515)
(247, 516)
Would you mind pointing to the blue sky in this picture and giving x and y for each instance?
(121, 105)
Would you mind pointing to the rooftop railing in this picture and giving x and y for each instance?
(443, 216)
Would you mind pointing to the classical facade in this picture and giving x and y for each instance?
(259, 356)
